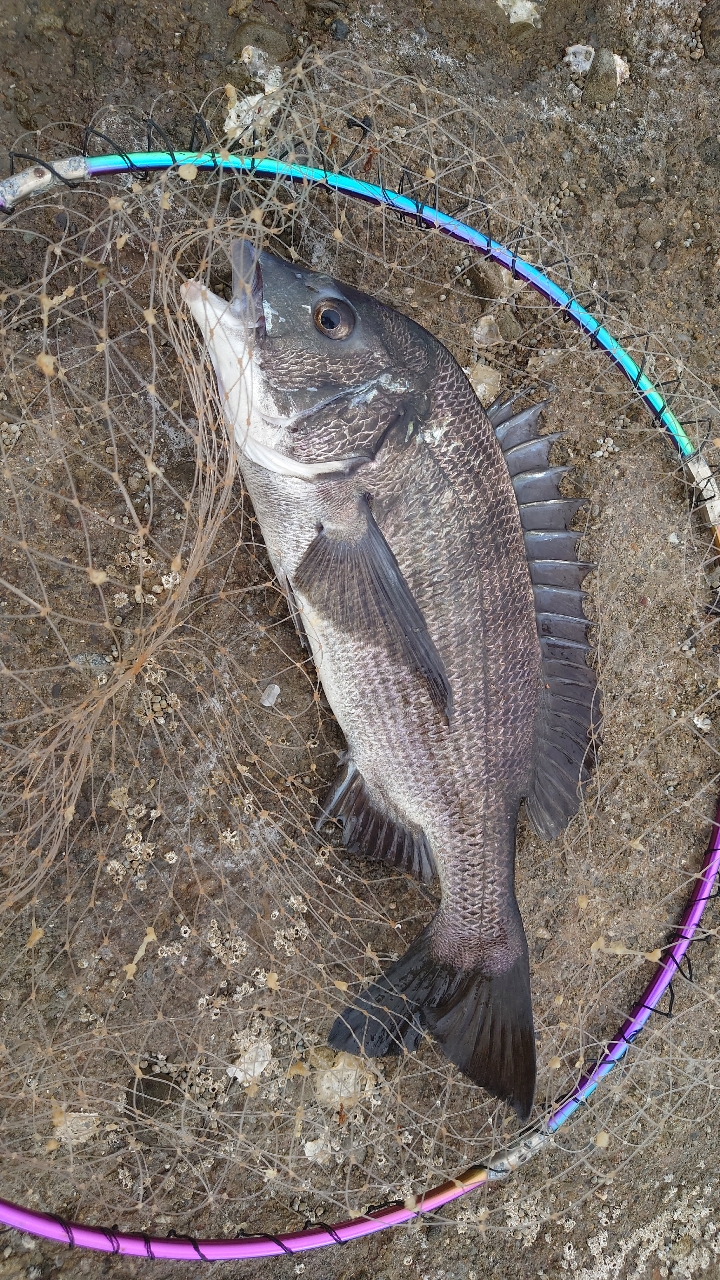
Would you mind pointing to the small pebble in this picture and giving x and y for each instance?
(702, 722)
(673, 539)
(339, 30)
(508, 326)
(602, 80)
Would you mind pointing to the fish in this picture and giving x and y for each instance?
(424, 548)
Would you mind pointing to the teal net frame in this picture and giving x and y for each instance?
(40, 177)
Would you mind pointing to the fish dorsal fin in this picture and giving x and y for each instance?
(369, 829)
(568, 717)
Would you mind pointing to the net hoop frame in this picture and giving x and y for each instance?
(73, 171)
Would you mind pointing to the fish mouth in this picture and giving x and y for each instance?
(232, 330)
(247, 301)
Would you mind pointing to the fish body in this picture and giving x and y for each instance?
(391, 519)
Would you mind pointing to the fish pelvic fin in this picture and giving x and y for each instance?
(482, 1022)
(353, 579)
(367, 828)
(567, 726)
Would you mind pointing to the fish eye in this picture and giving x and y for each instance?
(334, 318)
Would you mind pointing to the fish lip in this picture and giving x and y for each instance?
(247, 300)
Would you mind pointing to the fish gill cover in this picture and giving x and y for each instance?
(177, 939)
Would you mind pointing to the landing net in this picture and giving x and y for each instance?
(176, 938)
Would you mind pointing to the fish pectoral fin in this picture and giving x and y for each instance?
(351, 577)
(367, 828)
(483, 1023)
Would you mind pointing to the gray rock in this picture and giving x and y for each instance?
(339, 30)
(269, 39)
(651, 229)
(709, 152)
(710, 30)
(601, 84)
(486, 278)
(643, 192)
(642, 255)
(509, 328)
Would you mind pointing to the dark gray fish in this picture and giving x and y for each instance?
(423, 546)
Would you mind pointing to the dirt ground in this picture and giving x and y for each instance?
(635, 182)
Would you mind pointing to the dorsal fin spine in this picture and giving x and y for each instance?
(568, 716)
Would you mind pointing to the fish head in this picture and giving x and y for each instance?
(311, 372)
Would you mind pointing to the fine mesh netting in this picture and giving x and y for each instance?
(176, 938)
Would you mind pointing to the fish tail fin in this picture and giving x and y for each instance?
(482, 1022)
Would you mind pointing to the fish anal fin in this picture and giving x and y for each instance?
(482, 1022)
(351, 577)
(568, 718)
(369, 829)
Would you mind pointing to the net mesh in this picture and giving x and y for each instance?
(176, 938)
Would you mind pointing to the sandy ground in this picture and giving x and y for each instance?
(635, 181)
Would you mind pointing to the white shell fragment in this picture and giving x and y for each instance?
(270, 695)
(255, 110)
(521, 11)
(702, 722)
(622, 68)
(546, 359)
(485, 381)
(74, 1127)
(346, 1081)
(486, 333)
(261, 68)
(318, 1150)
(252, 1062)
(579, 59)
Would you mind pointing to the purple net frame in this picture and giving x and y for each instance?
(185, 1248)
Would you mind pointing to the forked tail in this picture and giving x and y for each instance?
(483, 1023)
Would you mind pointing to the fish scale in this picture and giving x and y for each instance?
(438, 588)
